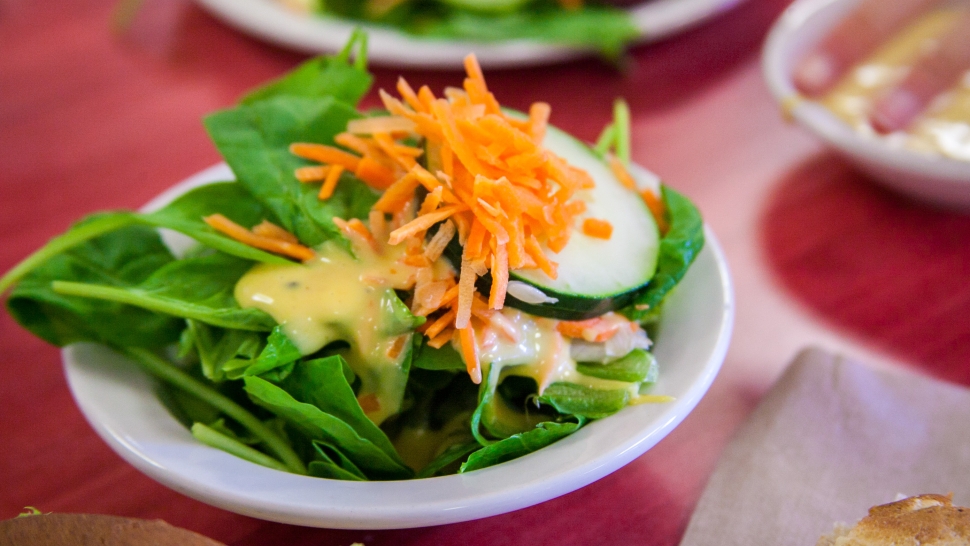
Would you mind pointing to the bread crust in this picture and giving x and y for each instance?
(922, 520)
(95, 530)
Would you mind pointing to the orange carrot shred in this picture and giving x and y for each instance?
(227, 227)
(330, 183)
(325, 154)
(273, 231)
(500, 277)
(600, 229)
(469, 351)
(313, 173)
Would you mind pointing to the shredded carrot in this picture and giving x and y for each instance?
(395, 349)
(485, 177)
(500, 277)
(657, 208)
(374, 173)
(330, 182)
(325, 154)
(469, 351)
(273, 231)
(385, 124)
(313, 173)
(271, 244)
(369, 402)
(421, 223)
(594, 227)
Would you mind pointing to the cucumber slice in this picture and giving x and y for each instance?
(594, 275)
(493, 7)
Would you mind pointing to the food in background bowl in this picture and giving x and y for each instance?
(438, 287)
(944, 127)
(600, 26)
(922, 520)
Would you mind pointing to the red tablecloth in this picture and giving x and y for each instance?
(92, 120)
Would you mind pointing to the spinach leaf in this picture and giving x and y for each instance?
(222, 351)
(448, 457)
(255, 139)
(230, 199)
(604, 28)
(331, 463)
(199, 288)
(279, 351)
(120, 258)
(678, 249)
(323, 383)
(429, 358)
(217, 439)
(316, 424)
(573, 399)
(320, 77)
(518, 445)
(184, 215)
(637, 366)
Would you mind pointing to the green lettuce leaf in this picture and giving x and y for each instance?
(519, 444)
(121, 258)
(678, 249)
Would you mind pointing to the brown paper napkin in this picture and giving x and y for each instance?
(832, 438)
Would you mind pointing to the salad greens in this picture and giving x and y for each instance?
(233, 376)
(593, 25)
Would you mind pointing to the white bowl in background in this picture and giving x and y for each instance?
(119, 402)
(935, 179)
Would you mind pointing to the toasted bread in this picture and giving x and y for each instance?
(923, 520)
(95, 530)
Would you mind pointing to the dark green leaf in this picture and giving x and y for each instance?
(573, 399)
(448, 457)
(319, 425)
(279, 351)
(255, 139)
(429, 358)
(323, 383)
(335, 76)
(218, 347)
(331, 463)
(120, 258)
(199, 288)
(518, 445)
(637, 366)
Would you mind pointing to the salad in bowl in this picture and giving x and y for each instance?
(436, 287)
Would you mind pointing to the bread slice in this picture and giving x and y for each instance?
(95, 530)
(923, 520)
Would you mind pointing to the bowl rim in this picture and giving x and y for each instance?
(231, 483)
(777, 56)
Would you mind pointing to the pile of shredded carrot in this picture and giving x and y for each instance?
(488, 180)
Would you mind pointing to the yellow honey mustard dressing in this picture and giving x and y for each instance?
(539, 352)
(337, 296)
(944, 128)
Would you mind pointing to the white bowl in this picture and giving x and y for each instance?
(270, 21)
(935, 179)
(118, 400)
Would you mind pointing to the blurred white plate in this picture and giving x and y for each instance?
(119, 402)
(270, 21)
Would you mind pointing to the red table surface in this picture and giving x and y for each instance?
(90, 119)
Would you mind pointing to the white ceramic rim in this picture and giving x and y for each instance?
(802, 25)
(269, 21)
(118, 401)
